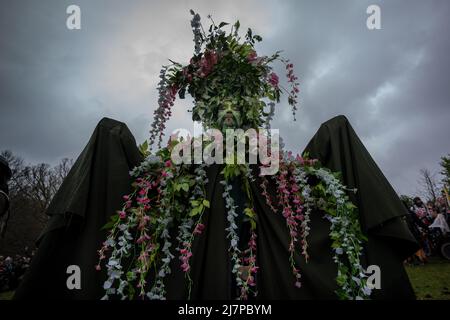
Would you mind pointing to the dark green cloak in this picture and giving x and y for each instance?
(100, 177)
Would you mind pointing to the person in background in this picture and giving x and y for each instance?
(421, 211)
(418, 229)
(432, 210)
(5, 175)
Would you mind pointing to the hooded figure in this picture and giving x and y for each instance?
(299, 246)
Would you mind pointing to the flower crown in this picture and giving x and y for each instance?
(223, 68)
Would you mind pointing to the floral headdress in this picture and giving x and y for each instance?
(224, 67)
(139, 248)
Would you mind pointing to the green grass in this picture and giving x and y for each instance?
(6, 295)
(432, 280)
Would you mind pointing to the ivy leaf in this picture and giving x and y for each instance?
(194, 203)
(249, 212)
(206, 203)
(185, 187)
(197, 210)
(143, 148)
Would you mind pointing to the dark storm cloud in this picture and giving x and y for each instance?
(392, 83)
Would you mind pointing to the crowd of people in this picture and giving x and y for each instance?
(12, 270)
(429, 223)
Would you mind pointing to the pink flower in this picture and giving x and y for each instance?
(98, 268)
(207, 63)
(122, 214)
(185, 267)
(273, 79)
(168, 163)
(143, 238)
(251, 281)
(143, 200)
(252, 56)
(254, 269)
(299, 159)
(199, 228)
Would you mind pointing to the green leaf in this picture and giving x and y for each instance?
(236, 26)
(257, 38)
(249, 212)
(197, 210)
(109, 225)
(223, 24)
(185, 187)
(206, 203)
(143, 148)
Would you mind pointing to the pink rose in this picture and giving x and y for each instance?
(273, 79)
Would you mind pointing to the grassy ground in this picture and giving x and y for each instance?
(430, 281)
(6, 295)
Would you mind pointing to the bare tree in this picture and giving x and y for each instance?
(31, 190)
(429, 184)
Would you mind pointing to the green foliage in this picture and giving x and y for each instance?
(445, 165)
(231, 171)
(113, 220)
(143, 149)
(251, 214)
(226, 69)
(198, 207)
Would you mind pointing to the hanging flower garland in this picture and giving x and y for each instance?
(139, 250)
(198, 204)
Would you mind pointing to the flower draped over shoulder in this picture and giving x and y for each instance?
(169, 197)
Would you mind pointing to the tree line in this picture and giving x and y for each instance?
(31, 189)
(432, 184)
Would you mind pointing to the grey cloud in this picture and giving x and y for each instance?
(392, 83)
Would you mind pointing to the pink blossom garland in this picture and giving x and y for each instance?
(284, 194)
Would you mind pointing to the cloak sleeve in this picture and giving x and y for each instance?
(381, 212)
(90, 194)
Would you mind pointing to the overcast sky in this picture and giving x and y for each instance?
(393, 84)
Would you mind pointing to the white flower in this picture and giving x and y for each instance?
(107, 284)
